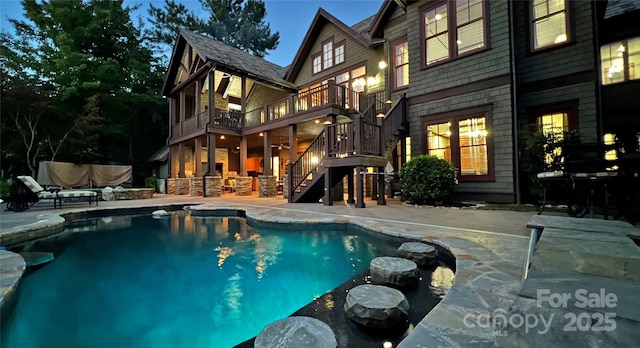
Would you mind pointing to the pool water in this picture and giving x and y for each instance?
(181, 281)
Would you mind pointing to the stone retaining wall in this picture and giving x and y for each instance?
(171, 186)
(182, 186)
(128, 194)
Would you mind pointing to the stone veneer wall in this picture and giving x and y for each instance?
(171, 186)
(139, 193)
(182, 186)
(268, 186)
(161, 186)
(243, 185)
(285, 186)
(213, 186)
(195, 187)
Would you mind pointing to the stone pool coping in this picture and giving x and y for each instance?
(488, 271)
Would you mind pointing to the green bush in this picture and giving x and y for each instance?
(543, 153)
(7, 189)
(428, 179)
(151, 182)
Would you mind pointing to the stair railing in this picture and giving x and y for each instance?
(307, 163)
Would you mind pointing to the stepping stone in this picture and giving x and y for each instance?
(296, 332)
(424, 255)
(36, 258)
(159, 214)
(393, 271)
(377, 306)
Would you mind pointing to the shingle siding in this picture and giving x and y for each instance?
(261, 95)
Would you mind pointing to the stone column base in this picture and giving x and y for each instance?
(243, 185)
(171, 186)
(285, 186)
(213, 186)
(195, 187)
(182, 186)
(268, 186)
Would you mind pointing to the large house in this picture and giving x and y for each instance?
(467, 81)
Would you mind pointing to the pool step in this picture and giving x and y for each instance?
(36, 258)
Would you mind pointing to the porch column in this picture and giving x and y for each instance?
(374, 185)
(243, 156)
(381, 200)
(360, 186)
(197, 108)
(211, 154)
(197, 157)
(211, 96)
(328, 192)
(350, 197)
(181, 173)
(293, 142)
(266, 141)
(183, 106)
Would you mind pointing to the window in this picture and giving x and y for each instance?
(401, 64)
(619, 61)
(549, 23)
(553, 123)
(463, 140)
(449, 36)
(339, 54)
(317, 64)
(327, 55)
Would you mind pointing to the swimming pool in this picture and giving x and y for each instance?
(182, 281)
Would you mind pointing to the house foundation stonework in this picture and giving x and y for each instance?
(213, 186)
(268, 186)
(171, 186)
(195, 187)
(182, 186)
(243, 185)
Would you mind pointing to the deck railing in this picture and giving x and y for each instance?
(307, 163)
(229, 119)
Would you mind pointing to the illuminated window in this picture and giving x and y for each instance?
(619, 61)
(462, 140)
(553, 123)
(339, 54)
(317, 64)
(401, 64)
(549, 23)
(327, 55)
(449, 36)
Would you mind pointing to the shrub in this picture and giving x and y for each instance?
(8, 189)
(428, 179)
(543, 153)
(151, 182)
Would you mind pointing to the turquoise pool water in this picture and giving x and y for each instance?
(181, 281)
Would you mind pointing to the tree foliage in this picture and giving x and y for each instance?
(99, 81)
(237, 23)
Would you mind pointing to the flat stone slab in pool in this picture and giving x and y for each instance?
(424, 255)
(377, 306)
(393, 271)
(297, 332)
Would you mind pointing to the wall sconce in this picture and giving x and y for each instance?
(317, 121)
(382, 64)
(388, 101)
(327, 122)
(372, 81)
(222, 137)
(314, 160)
(380, 115)
(261, 134)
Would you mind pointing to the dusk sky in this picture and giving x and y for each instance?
(289, 17)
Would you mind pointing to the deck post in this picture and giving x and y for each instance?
(267, 171)
(293, 142)
(197, 149)
(350, 197)
(211, 154)
(381, 200)
(243, 156)
(181, 173)
(360, 186)
(328, 192)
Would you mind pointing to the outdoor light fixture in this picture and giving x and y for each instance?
(389, 101)
(317, 121)
(382, 64)
(261, 134)
(327, 122)
(222, 137)
(387, 345)
(372, 81)
(380, 115)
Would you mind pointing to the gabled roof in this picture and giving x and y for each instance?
(323, 17)
(381, 18)
(618, 7)
(227, 57)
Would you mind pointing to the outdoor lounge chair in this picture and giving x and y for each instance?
(30, 192)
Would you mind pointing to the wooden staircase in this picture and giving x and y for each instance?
(341, 147)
